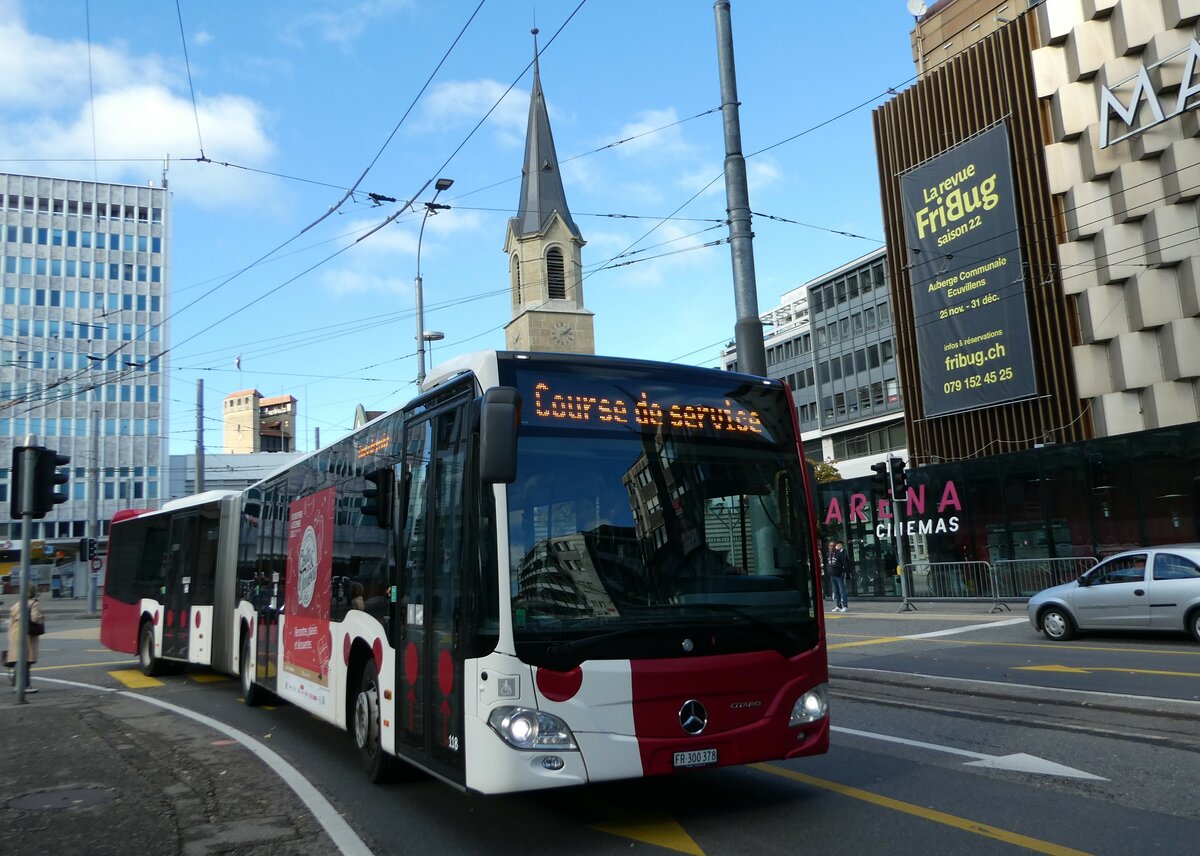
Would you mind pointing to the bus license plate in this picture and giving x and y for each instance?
(697, 758)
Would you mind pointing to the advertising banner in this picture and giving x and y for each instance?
(306, 636)
(968, 283)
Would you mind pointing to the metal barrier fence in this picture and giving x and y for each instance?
(950, 579)
(1027, 577)
(994, 581)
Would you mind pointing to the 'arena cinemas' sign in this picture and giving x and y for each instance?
(1140, 88)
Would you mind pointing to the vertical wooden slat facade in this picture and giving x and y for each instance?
(990, 83)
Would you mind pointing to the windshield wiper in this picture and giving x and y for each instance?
(794, 644)
(572, 646)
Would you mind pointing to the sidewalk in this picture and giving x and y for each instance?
(101, 773)
(973, 610)
(55, 608)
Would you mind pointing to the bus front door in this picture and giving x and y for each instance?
(180, 563)
(429, 661)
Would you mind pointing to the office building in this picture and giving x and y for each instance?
(832, 341)
(86, 286)
(1040, 188)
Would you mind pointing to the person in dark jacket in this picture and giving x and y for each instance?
(837, 567)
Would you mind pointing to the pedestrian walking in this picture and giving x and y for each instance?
(37, 627)
(837, 566)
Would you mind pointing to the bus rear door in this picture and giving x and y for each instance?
(180, 564)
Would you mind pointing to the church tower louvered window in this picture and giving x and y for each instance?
(556, 279)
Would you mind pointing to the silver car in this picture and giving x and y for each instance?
(1156, 588)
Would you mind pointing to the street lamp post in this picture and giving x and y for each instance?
(430, 207)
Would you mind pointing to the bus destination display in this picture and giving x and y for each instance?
(575, 401)
(968, 284)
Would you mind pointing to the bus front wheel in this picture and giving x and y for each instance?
(375, 761)
(149, 664)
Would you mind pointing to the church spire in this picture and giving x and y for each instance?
(542, 193)
(543, 244)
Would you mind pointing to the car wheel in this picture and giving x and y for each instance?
(251, 692)
(149, 664)
(1193, 623)
(375, 761)
(1057, 624)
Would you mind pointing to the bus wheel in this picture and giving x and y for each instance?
(251, 692)
(375, 761)
(150, 665)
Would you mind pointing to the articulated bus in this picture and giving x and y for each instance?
(546, 570)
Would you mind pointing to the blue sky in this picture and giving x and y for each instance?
(294, 101)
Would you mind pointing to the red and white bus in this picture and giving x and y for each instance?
(546, 570)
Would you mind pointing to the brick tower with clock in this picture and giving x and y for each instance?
(544, 246)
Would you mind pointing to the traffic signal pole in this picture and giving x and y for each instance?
(35, 476)
(898, 487)
(28, 464)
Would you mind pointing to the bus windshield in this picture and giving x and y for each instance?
(625, 533)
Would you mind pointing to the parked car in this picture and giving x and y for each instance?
(1156, 588)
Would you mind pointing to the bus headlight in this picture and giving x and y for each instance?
(813, 706)
(525, 728)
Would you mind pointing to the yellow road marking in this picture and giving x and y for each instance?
(881, 640)
(208, 678)
(1042, 646)
(657, 829)
(983, 829)
(135, 680)
(1073, 670)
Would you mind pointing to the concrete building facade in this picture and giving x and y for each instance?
(85, 273)
(253, 423)
(832, 341)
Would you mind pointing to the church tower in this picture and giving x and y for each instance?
(543, 245)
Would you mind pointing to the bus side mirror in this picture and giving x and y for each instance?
(499, 417)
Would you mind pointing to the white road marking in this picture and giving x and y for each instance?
(969, 628)
(344, 837)
(1019, 762)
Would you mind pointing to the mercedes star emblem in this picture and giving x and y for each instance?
(693, 717)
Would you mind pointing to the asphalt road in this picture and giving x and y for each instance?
(942, 743)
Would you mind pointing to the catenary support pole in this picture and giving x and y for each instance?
(748, 331)
(200, 436)
(93, 518)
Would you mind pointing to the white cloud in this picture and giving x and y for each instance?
(341, 23)
(663, 257)
(461, 104)
(394, 248)
(142, 111)
(351, 281)
(202, 38)
(645, 140)
(42, 73)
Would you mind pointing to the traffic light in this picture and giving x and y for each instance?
(87, 549)
(899, 483)
(47, 478)
(879, 481)
(377, 496)
(16, 482)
